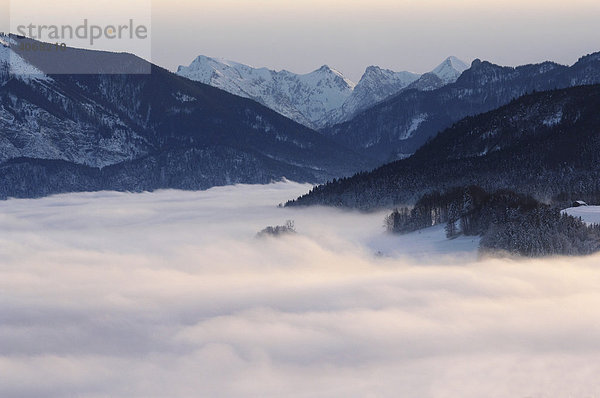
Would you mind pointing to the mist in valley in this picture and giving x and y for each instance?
(172, 294)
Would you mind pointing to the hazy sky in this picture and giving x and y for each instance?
(416, 35)
(349, 35)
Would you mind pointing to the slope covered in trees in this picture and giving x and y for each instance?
(506, 221)
(545, 144)
(113, 129)
(399, 126)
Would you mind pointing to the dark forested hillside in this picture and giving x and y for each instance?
(545, 144)
(507, 222)
(66, 132)
(397, 127)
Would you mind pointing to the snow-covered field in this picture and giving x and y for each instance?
(169, 294)
(589, 214)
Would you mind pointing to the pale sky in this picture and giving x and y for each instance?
(415, 35)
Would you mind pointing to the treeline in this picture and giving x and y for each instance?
(546, 145)
(506, 221)
(543, 232)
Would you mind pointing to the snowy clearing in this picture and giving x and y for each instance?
(589, 214)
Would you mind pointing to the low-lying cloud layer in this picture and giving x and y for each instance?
(170, 294)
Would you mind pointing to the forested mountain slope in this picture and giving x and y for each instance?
(545, 144)
(144, 131)
(397, 127)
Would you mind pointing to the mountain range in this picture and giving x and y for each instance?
(320, 98)
(87, 132)
(531, 127)
(397, 127)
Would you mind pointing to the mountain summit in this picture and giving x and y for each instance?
(398, 126)
(135, 132)
(376, 85)
(450, 70)
(307, 99)
(445, 73)
(318, 99)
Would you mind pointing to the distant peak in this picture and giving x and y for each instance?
(450, 69)
(330, 72)
(376, 71)
(454, 63)
(447, 61)
(372, 68)
(206, 62)
(201, 59)
(328, 69)
(479, 64)
(453, 59)
(593, 57)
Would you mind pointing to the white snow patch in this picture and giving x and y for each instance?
(17, 66)
(401, 156)
(589, 214)
(554, 119)
(414, 125)
(184, 97)
(450, 70)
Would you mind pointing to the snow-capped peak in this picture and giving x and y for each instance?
(319, 98)
(329, 69)
(377, 74)
(326, 71)
(305, 98)
(376, 85)
(450, 70)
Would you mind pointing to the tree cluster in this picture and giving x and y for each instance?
(506, 221)
(278, 230)
(543, 232)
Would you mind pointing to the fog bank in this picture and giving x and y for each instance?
(170, 294)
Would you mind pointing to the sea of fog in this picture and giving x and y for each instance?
(170, 294)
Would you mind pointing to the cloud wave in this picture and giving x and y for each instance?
(170, 294)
